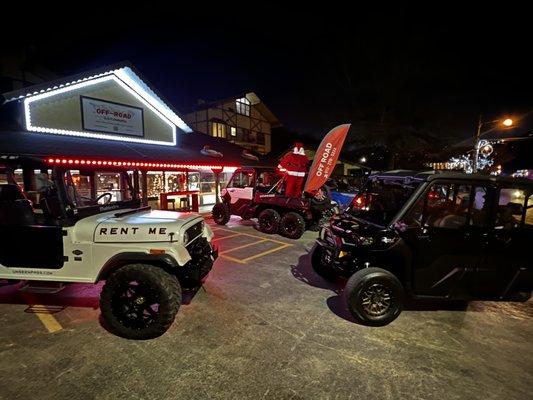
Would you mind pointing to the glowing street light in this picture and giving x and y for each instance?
(507, 122)
(362, 160)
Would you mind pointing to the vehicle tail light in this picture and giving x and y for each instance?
(359, 201)
(433, 195)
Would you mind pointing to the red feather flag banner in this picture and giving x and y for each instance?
(326, 158)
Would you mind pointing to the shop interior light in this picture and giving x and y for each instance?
(143, 165)
(85, 83)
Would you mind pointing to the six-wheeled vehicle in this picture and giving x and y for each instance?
(258, 193)
(430, 236)
(82, 222)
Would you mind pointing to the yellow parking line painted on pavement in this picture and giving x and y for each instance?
(225, 237)
(257, 237)
(264, 253)
(232, 259)
(48, 320)
(243, 246)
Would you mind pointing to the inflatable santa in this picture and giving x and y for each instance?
(295, 167)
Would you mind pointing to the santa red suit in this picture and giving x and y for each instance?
(295, 167)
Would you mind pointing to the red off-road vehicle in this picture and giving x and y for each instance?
(258, 193)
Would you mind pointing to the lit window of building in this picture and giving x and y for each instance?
(233, 131)
(243, 106)
(218, 130)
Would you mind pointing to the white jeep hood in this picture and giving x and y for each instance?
(142, 226)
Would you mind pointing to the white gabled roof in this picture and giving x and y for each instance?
(125, 72)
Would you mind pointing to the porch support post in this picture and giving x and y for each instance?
(144, 187)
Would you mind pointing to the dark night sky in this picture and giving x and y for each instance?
(433, 70)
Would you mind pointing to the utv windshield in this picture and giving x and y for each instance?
(381, 199)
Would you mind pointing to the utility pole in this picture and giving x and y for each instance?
(476, 145)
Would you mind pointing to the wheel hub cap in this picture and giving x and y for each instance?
(376, 299)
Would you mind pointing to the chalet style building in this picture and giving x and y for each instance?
(244, 120)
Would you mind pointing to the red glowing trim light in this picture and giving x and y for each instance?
(69, 161)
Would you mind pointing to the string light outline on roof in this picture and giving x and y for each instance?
(85, 83)
(122, 74)
(164, 109)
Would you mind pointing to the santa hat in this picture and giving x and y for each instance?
(299, 148)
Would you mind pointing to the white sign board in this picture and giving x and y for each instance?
(109, 117)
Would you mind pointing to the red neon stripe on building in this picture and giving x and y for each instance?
(126, 164)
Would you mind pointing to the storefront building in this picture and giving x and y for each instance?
(112, 116)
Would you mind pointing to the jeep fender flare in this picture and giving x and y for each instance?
(164, 261)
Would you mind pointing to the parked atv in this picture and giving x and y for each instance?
(254, 193)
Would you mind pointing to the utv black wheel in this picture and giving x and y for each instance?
(268, 221)
(320, 264)
(140, 301)
(221, 213)
(292, 225)
(374, 296)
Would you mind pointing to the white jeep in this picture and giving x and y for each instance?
(75, 223)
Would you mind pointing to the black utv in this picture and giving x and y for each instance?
(430, 236)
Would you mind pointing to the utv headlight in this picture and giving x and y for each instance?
(366, 241)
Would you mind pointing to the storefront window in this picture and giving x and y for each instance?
(175, 181)
(194, 181)
(207, 188)
(156, 183)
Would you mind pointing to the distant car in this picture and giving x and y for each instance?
(430, 236)
(341, 192)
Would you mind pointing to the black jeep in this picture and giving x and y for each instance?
(430, 236)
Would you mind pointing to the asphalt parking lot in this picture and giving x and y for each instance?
(264, 327)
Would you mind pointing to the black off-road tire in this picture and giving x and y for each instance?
(319, 266)
(268, 221)
(221, 213)
(292, 225)
(370, 280)
(148, 282)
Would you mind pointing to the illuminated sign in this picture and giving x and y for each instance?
(109, 117)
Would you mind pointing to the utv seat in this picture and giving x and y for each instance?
(506, 215)
(15, 209)
(10, 192)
